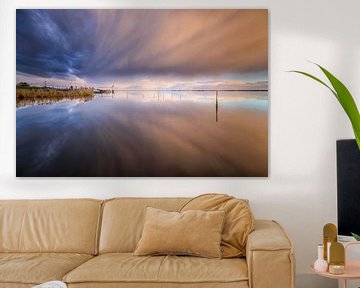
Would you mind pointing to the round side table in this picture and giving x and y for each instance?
(352, 269)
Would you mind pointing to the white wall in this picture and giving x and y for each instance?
(305, 120)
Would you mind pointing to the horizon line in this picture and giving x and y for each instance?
(180, 90)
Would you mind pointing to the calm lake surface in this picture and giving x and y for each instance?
(145, 134)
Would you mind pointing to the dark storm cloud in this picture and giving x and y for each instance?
(110, 43)
(53, 43)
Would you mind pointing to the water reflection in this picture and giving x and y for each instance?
(217, 106)
(46, 101)
(148, 133)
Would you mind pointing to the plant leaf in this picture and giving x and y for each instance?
(344, 97)
(316, 79)
(357, 237)
(347, 102)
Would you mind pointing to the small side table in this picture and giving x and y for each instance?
(352, 269)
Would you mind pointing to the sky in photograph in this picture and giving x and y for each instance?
(143, 49)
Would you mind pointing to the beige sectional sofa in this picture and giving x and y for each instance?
(89, 243)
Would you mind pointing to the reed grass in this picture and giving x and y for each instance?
(42, 93)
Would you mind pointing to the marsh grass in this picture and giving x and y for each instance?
(43, 94)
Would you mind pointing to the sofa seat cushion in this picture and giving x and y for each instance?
(36, 268)
(125, 267)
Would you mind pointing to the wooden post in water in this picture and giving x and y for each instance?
(216, 105)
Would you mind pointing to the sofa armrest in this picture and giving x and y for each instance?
(269, 256)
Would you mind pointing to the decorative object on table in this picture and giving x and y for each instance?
(329, 236)
(51, 284)
(351, 268)
(320, 264)
(336, 269)
(333, 251)
(337, 258)
(178, 93)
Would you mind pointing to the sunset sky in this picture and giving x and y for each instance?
(143, 49)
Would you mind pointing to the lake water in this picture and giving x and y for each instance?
(145, 134)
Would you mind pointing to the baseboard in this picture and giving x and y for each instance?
(309, 280)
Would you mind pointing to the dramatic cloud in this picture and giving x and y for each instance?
(105, 44)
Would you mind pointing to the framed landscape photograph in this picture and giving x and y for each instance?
(142, 93)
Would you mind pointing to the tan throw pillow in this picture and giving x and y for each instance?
(239, 220)
(196, 233)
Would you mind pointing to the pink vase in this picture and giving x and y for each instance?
(320, 264)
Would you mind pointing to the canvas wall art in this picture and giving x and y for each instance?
(142, 93)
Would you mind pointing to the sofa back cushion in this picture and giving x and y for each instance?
(123, 220)
(239, 220)
(64, 226)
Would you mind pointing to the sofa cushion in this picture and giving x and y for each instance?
(123, 220)
(126, 268)
(239, 220)
(62, 226)
(36, 268)
(194, 232)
